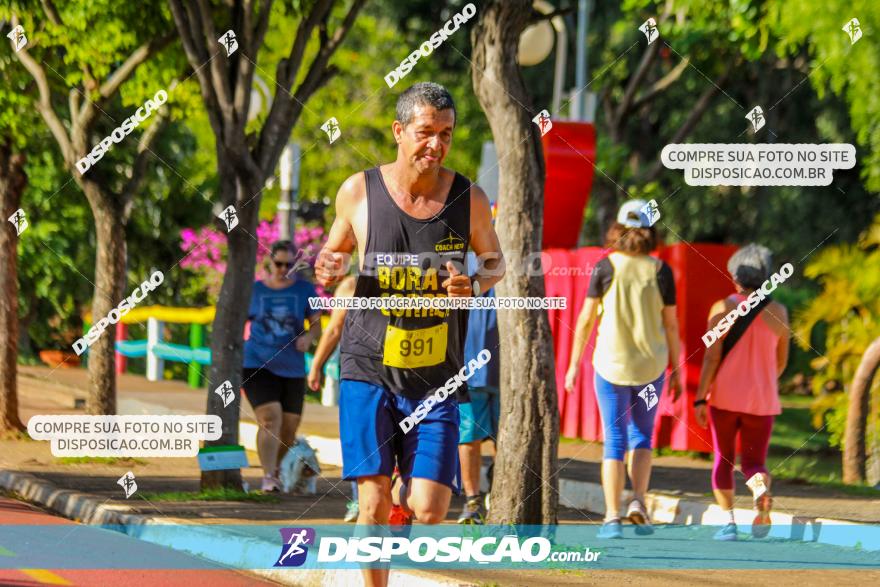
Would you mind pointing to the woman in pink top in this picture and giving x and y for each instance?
(740, 390)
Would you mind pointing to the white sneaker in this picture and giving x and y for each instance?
(270, 484)
(639, 516)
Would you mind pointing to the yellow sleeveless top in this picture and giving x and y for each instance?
(631, 344)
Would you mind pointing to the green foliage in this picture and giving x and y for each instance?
(363, 104)
(845, 69)
(56, 264)
(55, 254)
(56, 243)
(849, 307)
(746, 39)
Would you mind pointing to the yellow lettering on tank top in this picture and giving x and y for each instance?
(412, 278)
(398, 276)
(383, 275)
(430, 282)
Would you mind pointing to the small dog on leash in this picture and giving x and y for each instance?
(299, 469)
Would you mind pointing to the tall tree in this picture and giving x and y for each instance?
(93, 63)
(525, 479)
(245, 160)
(14, 117)
(13, 180)
(854, 445)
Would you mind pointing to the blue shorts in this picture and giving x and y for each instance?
(479, 418)
(627, 419)
(373, 441)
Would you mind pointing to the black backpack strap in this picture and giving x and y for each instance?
(739, 327)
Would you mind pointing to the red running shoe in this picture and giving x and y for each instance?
(761, 523)
(399, 522)
(399, 517)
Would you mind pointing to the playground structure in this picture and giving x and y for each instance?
(154, 347)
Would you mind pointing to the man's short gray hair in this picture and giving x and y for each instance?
(751, 266)
(423, 94)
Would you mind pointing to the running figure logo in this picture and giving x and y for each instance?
(229, 217)
(756, 117)
(300, 260)
(294, 550)
(649, 27)
(756, 484)
(543, 121)
(854, 30)
(19, 221)
(331, 127)
(229, 42)
(651, 212)
(650, 396)
(19, 40)
(225, 392)
(128, 484)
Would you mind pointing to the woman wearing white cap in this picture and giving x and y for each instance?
(634, 294)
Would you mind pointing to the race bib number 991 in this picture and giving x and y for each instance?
(409, 349)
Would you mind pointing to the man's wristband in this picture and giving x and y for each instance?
(700, 402)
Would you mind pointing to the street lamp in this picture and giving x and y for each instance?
(536, 42)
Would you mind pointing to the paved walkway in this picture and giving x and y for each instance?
(42, 389)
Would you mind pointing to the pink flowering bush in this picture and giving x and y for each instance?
(206, 252)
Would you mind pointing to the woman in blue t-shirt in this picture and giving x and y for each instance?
(274, 359)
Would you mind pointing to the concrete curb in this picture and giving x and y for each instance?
(201, 540)
(668, 509)
(77, 506)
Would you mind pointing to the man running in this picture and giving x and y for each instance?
(412, 222)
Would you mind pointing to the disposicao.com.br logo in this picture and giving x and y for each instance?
(506, 549)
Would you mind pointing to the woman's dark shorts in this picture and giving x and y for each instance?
(262, 386)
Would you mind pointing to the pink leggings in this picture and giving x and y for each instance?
(754, 434)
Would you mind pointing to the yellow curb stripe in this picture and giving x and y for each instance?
(45, 577)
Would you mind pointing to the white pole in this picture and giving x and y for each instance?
(155, 365)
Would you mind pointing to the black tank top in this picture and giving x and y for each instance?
(408, 352)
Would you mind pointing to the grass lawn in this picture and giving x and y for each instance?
(220, 494)
(799, 452)
(100, 460)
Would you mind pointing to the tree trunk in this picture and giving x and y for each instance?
(525, 477)
(235, 295)
(854, 453)
(12, 183)
(110, 284)
(25, 346)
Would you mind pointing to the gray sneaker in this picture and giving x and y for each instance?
(473, 512)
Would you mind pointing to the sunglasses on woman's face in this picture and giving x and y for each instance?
(283, 264)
